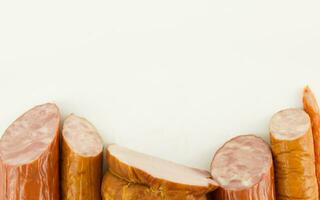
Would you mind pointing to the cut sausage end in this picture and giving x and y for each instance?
(82, 136)
(161, 169)
(241, 162)
(289, 124)
(30, 135)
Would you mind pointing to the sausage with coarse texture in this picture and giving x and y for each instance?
(81, 165)
(293, 151)
(243, 168)
(29, 156)
(311, 107)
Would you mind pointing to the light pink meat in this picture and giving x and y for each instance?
(243, 168)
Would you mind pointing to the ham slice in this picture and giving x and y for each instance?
(243, 167)
(81, 165)
(29, 156)
(132, 174)
(293, 151)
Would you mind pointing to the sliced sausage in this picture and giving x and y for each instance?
(311, 107)
(117, 188)
(243, 168)
(81, 164)
(147, 176)
(292, 147)
(29, 156)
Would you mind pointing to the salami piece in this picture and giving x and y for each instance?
(132, 175)
(293, 151)
(243, 168)
(311, 107)
(81, 163)
(29, 156)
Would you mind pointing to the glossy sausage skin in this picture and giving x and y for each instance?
(115, 188)
(293, 152)
(80, 176)
(28, 175)
(311, 107)
(81, 160)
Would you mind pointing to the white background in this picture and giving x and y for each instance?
(170, 78)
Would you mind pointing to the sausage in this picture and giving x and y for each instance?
(29, 156)
(293, 151)
(117, 188)
(81, 160)
(243, 168)
(132, 175)
(311, 107)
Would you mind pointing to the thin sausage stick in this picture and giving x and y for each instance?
(311, 107)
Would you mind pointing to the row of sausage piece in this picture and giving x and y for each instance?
(290, 171)
(37, 162)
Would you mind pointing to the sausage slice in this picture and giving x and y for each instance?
(81, 166)
(243, 167)
(29, 156)
(293, 151)
(153, 177)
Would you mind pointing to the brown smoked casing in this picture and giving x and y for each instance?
(115, 188)
(29, 156)
(293, 151)
(133, 175)
(310, 105)
(81, 164)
